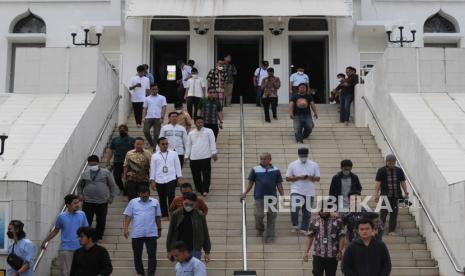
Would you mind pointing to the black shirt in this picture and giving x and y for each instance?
(302, 104)
(362, 260)
(350, 88)
(92, 262)
(185, 231)
(382, 176)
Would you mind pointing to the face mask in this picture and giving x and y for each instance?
(10, 234)
(300, 73)
(303, 159)
(93, 168)
(188, 208)
(346, 172)
(220, 68)
(195, 76)
(340, 80)
(179, 111)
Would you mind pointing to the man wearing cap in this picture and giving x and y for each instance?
(296, 79)
(389, 180)
(302, 173)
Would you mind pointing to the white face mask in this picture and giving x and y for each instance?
(220, 68)
(340, 80)
(300, 73)
(303, 159)
(179, 111)
(195, 76)
(93, 168)
(188, 208)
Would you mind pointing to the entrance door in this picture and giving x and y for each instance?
(311, 54)
(246, 53)
(166, 51)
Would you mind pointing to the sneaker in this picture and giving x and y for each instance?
(276, 118)
(269, 240)
(294, 229)
(138, 126)
(393, 234)
(303, 233)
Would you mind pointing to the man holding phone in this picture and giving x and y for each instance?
(138, 86)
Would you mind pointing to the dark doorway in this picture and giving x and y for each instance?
(246, 55)
(167, 51)
(311, 53)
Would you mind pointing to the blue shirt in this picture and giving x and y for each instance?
(143, 216)
(191, 267)
(151, 78)
(69, 223)
(297, 79)
(266, 180)
(26, 250)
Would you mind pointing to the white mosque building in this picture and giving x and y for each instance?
(54, 90)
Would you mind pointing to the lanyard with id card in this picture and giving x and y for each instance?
(165, 167)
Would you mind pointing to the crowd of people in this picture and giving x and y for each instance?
(156, 161)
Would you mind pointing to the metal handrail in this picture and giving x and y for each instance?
(73, 190)
(415, 192)
(244, 202)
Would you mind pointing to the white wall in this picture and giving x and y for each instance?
(39, 212)
(58, 17)
(410, 71)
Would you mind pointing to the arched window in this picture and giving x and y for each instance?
(438, 24)
(308, 24)
(29, 24)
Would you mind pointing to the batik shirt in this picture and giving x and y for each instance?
(270, 87)
(138, 165)
(326, 234)
(217, 79)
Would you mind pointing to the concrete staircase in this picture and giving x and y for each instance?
(329, 144)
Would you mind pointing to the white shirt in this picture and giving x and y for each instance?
(261, 74)
(201, 144)
(186, 73)
(193, 267)
(297, 79)
(303, 187)
(165, 167)
(138, 94)
(154, 105)
(195, 87)
(177, 137)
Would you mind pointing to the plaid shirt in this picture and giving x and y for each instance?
(217, 79)
(210, 110)
(326, 233)
(392, 182)
(231, 71)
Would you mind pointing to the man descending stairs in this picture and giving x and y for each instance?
(329, 143)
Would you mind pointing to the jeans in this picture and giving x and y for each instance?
(148, 124)
(118, 174)
(100, 210)
(258, 95)
(166, 193)
(196, 254)
(214, 128)
(321, 265)
(228, 91)
(259, 213)
(193, 106)
(346, 101)
(394, 202)
(151, 247)
(303, 125)
(133, 187)
(300, 202)
(137, 108)
(201, 174)
(267, 102)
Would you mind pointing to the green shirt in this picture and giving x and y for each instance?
(120, 146)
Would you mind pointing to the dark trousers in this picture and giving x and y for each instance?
(303, 125)
(267, 102)
(100, 211)
(150, 123)
(192, 106)
(133, 187)
(324, 266)
(258, 95)
(215, 129)
(394, 202)
(201, 173)
(181, 160)
(180, 93)
(137, 108)
(151, 247)
(118, 174)
(166, 192)
(346, 101)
